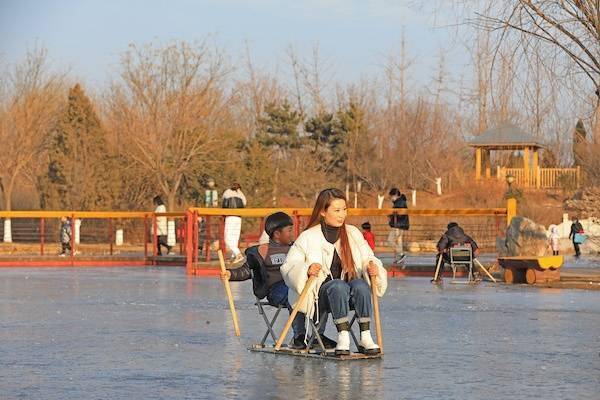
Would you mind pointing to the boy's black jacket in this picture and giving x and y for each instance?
(254, 268)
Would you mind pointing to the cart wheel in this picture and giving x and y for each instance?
(509, 275)
(530, 276)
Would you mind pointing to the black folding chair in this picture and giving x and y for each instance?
(269, 322)
(462, 255)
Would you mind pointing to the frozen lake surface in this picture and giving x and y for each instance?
(150, 333)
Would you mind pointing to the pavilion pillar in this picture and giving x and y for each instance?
(526, 166)
(488, 164)
(477, 163)
(536, 167)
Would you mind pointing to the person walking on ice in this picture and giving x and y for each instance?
(161, 226)
(343, 263)
(233, 198)
(399, 224)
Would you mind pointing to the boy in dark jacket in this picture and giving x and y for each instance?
(454, 236)
(262, 265)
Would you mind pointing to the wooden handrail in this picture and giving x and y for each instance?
(263, 212)
(86, 214)
(254, 212)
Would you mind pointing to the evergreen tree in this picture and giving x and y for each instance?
(279, 129)
(356, 150)
(81, 172)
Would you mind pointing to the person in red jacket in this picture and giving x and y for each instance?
(368, 235)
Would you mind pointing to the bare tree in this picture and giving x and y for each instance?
(28, 110)
(573, 26)
(170, 110)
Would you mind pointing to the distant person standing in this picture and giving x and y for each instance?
(399, 224)
(161, 226)
(65, 236)
(233, 198)
(576, 235)
(368, 235)
(554, 239)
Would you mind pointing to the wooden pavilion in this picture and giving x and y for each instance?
(511, 138)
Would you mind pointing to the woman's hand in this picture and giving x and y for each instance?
(314, 269)
(225, 275)
(372, 269)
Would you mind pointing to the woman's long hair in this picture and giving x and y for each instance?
(321, 205)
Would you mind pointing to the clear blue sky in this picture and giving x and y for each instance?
(87, 37)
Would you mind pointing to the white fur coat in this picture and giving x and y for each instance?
(312, 247)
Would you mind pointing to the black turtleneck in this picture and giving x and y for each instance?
(332, 234)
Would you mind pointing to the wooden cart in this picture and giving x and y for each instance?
(531, 269)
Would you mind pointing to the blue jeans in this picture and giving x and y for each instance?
(278, 295)
(339, 297)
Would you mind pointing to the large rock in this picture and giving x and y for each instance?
(523, 238)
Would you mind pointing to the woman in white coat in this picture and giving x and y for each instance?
(342, 262)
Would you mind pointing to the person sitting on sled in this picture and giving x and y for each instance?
(262, 265)
(453, 237)
(343, 263)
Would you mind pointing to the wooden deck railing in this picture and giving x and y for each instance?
(543, 178)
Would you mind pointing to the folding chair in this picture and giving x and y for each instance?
(269, 322)
(461, 255)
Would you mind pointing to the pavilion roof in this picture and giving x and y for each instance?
(506, 136)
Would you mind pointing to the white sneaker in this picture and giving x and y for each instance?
(366, 344)
(343, 343)
(62, 255)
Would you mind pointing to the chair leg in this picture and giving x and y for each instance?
(269, 324)
(471, 277)
(352, 332)
(316, 335)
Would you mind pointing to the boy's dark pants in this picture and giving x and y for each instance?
(278, 294)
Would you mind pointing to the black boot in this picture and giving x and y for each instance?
(298, 343)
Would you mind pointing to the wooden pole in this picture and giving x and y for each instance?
(42, 236)
(536, 168)
(437, 268)
(485, 270)
(189, 242)
(300, 300)
(526, 168)
(478, 163)
(511, 210)
(236, 327)
(375, 301)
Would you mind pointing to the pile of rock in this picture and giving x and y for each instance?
(585, 203)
